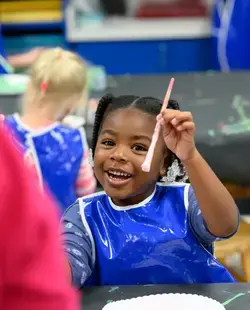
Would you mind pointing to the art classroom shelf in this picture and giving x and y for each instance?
(30, 15)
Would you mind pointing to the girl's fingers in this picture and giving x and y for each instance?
(186, 126)
(165, 126)
(167, 116)
(184, 116)
(159, 117)
(174, 117)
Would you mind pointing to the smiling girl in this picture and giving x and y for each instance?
(146, 228)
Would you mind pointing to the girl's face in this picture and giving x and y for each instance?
(122, 145)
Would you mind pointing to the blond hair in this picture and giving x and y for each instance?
(55, 74)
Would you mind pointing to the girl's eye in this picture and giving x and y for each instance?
(108, 143)
(139, 148)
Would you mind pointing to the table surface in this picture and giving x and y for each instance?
(234, 296)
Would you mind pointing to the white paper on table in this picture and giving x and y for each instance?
(166, 302)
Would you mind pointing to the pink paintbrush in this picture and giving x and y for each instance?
(147, 162)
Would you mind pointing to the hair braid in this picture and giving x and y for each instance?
(102, 106)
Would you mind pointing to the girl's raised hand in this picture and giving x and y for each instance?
(178, 132)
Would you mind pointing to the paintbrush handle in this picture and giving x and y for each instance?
(168, 93)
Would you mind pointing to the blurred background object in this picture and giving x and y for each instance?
(230, 31)
(158, 30)
(27, 24)
(235, 253)
(26, 251)
(143, 42)
(180, 8)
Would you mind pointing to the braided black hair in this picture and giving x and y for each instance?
(150, 105)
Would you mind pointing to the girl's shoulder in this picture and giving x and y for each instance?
(91, 198)
(164, 186)
(178, 189)
(81, 203)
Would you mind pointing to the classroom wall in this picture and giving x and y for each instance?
(196, 55)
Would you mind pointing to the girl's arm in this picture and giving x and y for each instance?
(86, 182)
(199, 225)
(77, 247)
(22, 61)
(217, 205)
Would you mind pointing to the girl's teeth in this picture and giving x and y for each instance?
(122, 174)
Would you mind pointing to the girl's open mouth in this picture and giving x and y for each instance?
(118, 177)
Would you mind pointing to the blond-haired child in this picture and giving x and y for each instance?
(59, 152)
